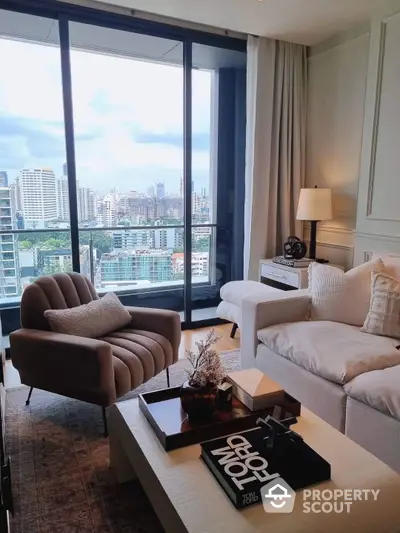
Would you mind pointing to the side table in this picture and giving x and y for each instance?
(281, 276)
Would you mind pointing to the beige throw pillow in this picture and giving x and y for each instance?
(94, 319)
(341, 297)
(384, 312)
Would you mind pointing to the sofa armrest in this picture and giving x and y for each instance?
(262, 311)
(78, 367)
(162, 321)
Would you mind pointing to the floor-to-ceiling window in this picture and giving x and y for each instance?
(121, 155)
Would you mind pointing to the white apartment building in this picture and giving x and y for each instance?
(110, 209)
(164, 238)
(37, 196)
(9, 267)
(62, 199)
(87, 204)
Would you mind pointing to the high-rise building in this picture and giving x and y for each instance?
(87, 204)
(3, 178)
(9, 268)
(109, 210)
(160, 188)
(37, 196)
(92, 205)
(132, 239)
(164, 238)
(136, 265)
(62, 199)
(51, 262)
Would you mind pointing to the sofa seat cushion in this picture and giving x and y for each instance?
(234, 291)
(138, 356)
(379, 389)
(334, 351)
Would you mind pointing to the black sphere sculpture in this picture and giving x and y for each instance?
(294, 248)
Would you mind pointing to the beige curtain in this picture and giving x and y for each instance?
(275, 146)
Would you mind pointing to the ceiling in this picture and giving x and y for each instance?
(303, 21)
(115, 42)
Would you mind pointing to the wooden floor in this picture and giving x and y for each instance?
(189, 339)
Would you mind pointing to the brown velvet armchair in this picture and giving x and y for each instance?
(100, 370)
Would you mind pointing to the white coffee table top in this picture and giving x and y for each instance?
(187, 498)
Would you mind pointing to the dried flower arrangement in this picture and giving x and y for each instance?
(207, 367)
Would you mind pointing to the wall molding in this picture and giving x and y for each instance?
(375, 126)
(376, 122)
(333, 245)
(330, 229)
(379, 236)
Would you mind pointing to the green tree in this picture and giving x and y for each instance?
(101, 240)
(55, 268)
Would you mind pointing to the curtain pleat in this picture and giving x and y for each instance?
(275, 146)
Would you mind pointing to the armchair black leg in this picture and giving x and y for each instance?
(29, 396)
(234, 329)
(168, 381)
(103, 409)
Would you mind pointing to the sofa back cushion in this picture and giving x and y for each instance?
(95, 319)
(341, 297)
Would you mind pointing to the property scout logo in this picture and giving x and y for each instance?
(279, 497)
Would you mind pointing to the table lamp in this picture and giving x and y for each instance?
(314, 205)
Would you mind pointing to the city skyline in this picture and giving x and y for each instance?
(127, 130)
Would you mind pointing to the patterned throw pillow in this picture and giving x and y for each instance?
(338, 296)
(384, 312)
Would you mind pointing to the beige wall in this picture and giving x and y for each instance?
(337, 85)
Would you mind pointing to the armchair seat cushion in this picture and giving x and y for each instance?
(138, 355)
(334, 351)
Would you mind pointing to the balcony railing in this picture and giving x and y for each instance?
(125, 259)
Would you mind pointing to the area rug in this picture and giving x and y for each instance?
(61, 479)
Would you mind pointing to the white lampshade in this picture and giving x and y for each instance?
(314, 204)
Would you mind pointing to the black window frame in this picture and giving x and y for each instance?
(65, 13)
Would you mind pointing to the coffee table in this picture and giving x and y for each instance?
(187, 499)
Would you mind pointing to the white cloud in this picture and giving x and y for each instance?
(113, 99)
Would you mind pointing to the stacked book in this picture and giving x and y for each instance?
(243, 464)
(294, 263)
(255, 390)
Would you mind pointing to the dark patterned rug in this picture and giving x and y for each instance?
(61, 480)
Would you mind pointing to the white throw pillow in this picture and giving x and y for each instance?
(341, 297)
(95, 319)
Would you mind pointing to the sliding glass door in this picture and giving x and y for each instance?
(127, 94)
(218, 144)
(121, 156)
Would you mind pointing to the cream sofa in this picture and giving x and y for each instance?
(349, 378)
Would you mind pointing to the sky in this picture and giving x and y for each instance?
(128, 118)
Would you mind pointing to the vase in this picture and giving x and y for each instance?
(198, 402)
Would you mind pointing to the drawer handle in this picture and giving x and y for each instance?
(282, 276)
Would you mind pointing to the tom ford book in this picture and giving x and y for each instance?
(242, 464)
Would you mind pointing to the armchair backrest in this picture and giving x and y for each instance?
(61, 291)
